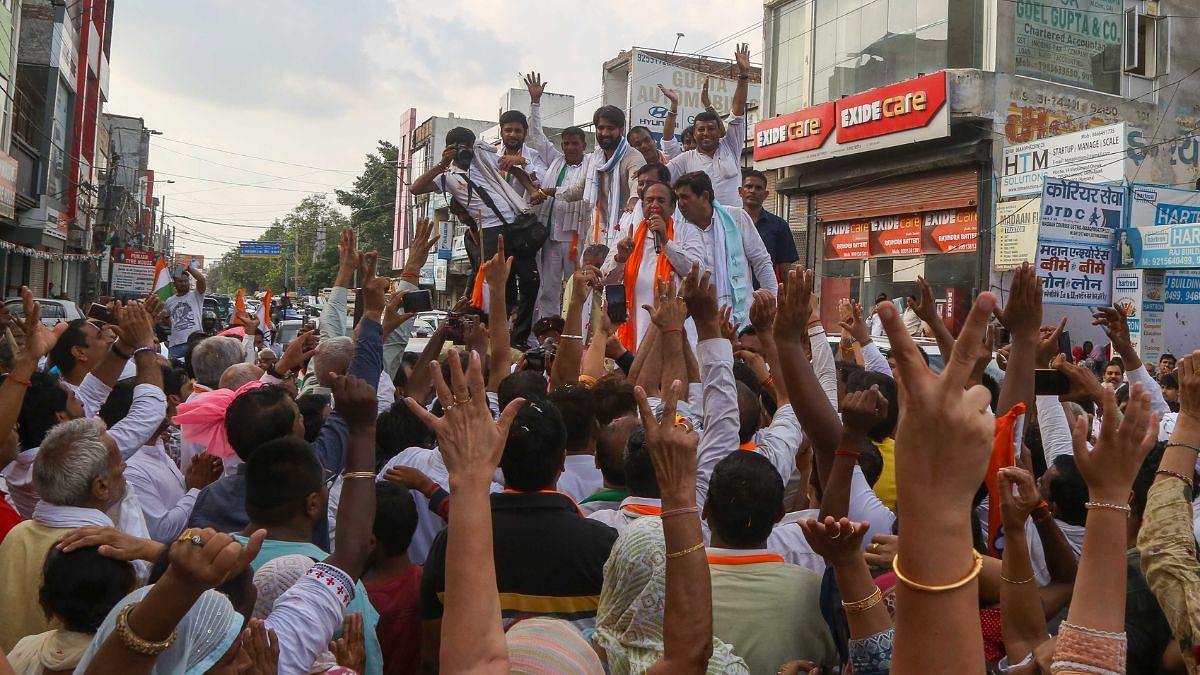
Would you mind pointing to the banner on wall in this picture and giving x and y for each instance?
(1073, 42)
(1164, 228)
(1142, 294)
(132, 271)
(910, 234)
(1080, 212)
(1075, 274)
(1182, 287)
(1016, 232)
(1096, 155)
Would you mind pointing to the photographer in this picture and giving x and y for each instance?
(470, 172)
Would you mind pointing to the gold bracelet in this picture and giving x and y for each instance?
(860, 606)
(690, 549)
(137, 644)
(1015, 583)
(1112, 507)
(976, 568)
(358, 474)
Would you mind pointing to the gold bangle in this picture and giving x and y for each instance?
(860, 606)
(690, 549)
(976, 568)
(358, 474)
(1125, 508)
(1015, 583)
(134, 643)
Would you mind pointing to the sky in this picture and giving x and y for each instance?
(301, 90)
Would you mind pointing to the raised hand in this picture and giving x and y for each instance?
(795, 306)
(862, 410)
(701, 299)
(204, 470)
(704, 98)
(624, 250)
(1115, 322)
(422, 243)
(1048, 342)
(669, 310)
(350, 650)
(349, 258)
(212, 558)
(373, 288)
(471, 442)
(672, 444)
(762, 312)
(925, 307)
(496, 269)
(742, 56)
(1111, 465)
(408, 476)
(1083, 384)
(354, 399)
(298, 352)
(1015, 509)
(729, 329)
(393, 318)
(261, 649)
(855, 325)
(585, 279)
(535, 85)
(882, 550)
(1022, 316)
(39, 339)
(755, 361)
(136, 328)
(837, 541)
(671, 95)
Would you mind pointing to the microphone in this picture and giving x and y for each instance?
(658, 236)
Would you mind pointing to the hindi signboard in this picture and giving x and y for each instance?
(132, 271)
(1074, 274)
(1080, 212)
(260, 249)
(1164, 228)
(1095, 155)
(1016, 232)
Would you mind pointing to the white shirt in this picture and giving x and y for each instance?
(535, 167)
(159, 485)
(185, 312)
(698, 244)
(724, 168)
(580, 477)
(874, 361)
(620, 518)
(304, 619)
(454, 182)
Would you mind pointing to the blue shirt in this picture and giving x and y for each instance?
(777, 237)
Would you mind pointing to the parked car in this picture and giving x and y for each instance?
(53, 312)
(927, 345)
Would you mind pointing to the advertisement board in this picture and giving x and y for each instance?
(1016, 232)
(648, 107)
(132, 271)
(1095, 155)
(1075, 42)
(1182, 287)
(8, 186)
(1081, 212)
(1142, 294)
(911, 234)
(1164, 228)
(1075, 274)
(898, 114)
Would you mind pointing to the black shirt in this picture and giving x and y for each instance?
(549, 559)
(777, 237)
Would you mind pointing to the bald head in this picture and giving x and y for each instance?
(239, 375)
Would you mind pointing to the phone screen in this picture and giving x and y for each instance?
(618, 313)
(1064, 344)
(99, 312)
(1049, 382)
(418, 301)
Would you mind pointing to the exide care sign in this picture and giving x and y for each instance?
(901, 113)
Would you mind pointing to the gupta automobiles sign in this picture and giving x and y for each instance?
(898, 114)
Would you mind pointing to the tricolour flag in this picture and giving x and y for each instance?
(163, 287)
(264, 318)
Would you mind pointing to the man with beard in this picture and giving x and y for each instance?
(514, 128)
(565, 220)
(720, 158)
(610, 182)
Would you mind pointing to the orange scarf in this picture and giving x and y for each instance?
(643, 510)
(627, 332)
(744, 559)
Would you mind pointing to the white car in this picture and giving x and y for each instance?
(927, 345)
(53, 311)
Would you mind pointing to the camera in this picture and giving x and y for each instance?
(465, 154)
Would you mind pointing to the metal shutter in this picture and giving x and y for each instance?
(797, 217)
(931, 191)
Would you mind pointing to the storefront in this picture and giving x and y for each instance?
(892, 191)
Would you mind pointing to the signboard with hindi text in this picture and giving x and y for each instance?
(1080, 212)
(1164, 228)
(1075, 274)
(1096, 155)
(1016, 232)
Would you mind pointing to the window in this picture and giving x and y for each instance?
(1147, 45)
(791, 60)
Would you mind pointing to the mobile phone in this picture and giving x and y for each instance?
(618, 312)
(454, 328)
(417, 301)
(1050, 382)
(100, 313)
(1064, 344)
(358, 305)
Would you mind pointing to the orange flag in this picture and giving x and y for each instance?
(1004, 453)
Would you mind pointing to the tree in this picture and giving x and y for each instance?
(372, 203)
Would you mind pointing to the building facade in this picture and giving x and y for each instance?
(888, 121)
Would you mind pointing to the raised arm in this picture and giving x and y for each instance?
(471, 444)
(333, 316)
(149, 405)
(926, 310)
(427, 182)
(1022, 316)
(738, 106)
(861, 410)
(201, 282)
(570, 347)
(668, 131)
(817, 416)
(840, 543)
(687, 608)
(537, 136)
(1115, 322)
(354, 400)
(495, 272)
(39, 340)
(1022, 618)
(668, 314)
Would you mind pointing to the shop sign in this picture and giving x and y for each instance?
(1182, 287)
(910, 234)
(1066, 41)
(647, 105)
(1095, 155)
(1075, 274)
(132, 271)
(1164, 228)
(1080, 212)
(1016, 232)
(1141, 294)
(898, 114)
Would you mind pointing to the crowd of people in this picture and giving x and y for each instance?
(704, 487)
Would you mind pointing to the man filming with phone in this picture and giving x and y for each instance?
(469, 172)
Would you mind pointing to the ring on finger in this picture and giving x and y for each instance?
(874, 548)
(447, 408)
(839, 534)
(460, 401)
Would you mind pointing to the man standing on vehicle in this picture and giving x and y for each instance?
(185, 310)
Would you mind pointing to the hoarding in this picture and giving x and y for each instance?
(1164, 228)
(132, 271)
(648, 107)
(911, 234)
(1016, 232)
(1095, 155)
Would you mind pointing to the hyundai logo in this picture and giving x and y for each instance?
(658, 111)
